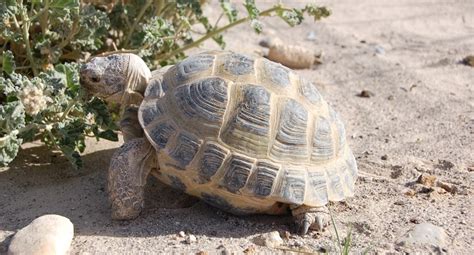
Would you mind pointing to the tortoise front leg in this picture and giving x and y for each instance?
(130, 125)
(128, 171)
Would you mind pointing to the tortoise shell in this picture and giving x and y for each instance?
(246, 135)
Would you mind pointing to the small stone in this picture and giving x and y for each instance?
(191, 239)
(469, 61)
(470, 168)
(390, 97)
(399, 202)
(424, 234)
(311, 36)
(287, 235)
(379, 50)
(409, 192)
(396, 171)
(384, 157)
(447, 187)
(366, 94)
(225, 251)
(445, 164)
(439, 190)
(426, 179)
(181, 234)
(250, 250)
(202, 253)
(297, 243)
(48, 234)
(271, 240)
(414, 220)
(434, 196)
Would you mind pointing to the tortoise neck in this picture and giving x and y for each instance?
(138, 75)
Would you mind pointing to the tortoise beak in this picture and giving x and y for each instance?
(87, 78)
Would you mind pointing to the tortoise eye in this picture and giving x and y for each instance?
(95, 79)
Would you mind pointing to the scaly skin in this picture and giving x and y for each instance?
(128, 171)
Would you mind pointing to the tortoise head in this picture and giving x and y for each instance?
(109, 76)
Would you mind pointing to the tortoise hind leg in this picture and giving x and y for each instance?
(306, 218)
(128, 171)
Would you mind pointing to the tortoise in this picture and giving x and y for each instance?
(244, 134)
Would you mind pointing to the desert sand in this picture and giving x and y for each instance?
(419, 120)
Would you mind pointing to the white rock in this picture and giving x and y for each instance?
(182, 234)
(425, 234)
(271, 240)
(47, 235)
(191, 239)
(311, 36)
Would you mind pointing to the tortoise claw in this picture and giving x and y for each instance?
(311, 218)
(304, 224)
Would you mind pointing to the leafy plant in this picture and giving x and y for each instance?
(42, 42)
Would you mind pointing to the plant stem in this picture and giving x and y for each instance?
(68, 109)
(126, 42)
(31, 126)
(26, 38)
(216, 32)
(71, 35)
(45, 9)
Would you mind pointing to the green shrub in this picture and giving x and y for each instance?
(42, 42)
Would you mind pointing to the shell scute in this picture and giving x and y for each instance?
(212, 159)
(248, 129)
(290, 142)
(265, 178)
(237, 172)
(185, 149)
(293, 186)
(238, 64)
(203, 100)
(194, 65)
(161, 133)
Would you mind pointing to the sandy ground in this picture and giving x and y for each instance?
(420, 120)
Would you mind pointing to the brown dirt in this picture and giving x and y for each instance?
(420, 120)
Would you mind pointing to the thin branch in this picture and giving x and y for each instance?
(26, 38)
(135, 23)
(216, 32)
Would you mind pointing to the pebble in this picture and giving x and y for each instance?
(397, 171)
(297, 243)
(250, 250)
(379, 50)
(191, 239)
(409, 192)
(424, 234)
(181, 234)
(400, 202)
(469, 60)
(47, 235)
(427, 180)
(384, 157)
(366, 93)
(445, 164)
(311, 36)
(447, 187)
(271, 239)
